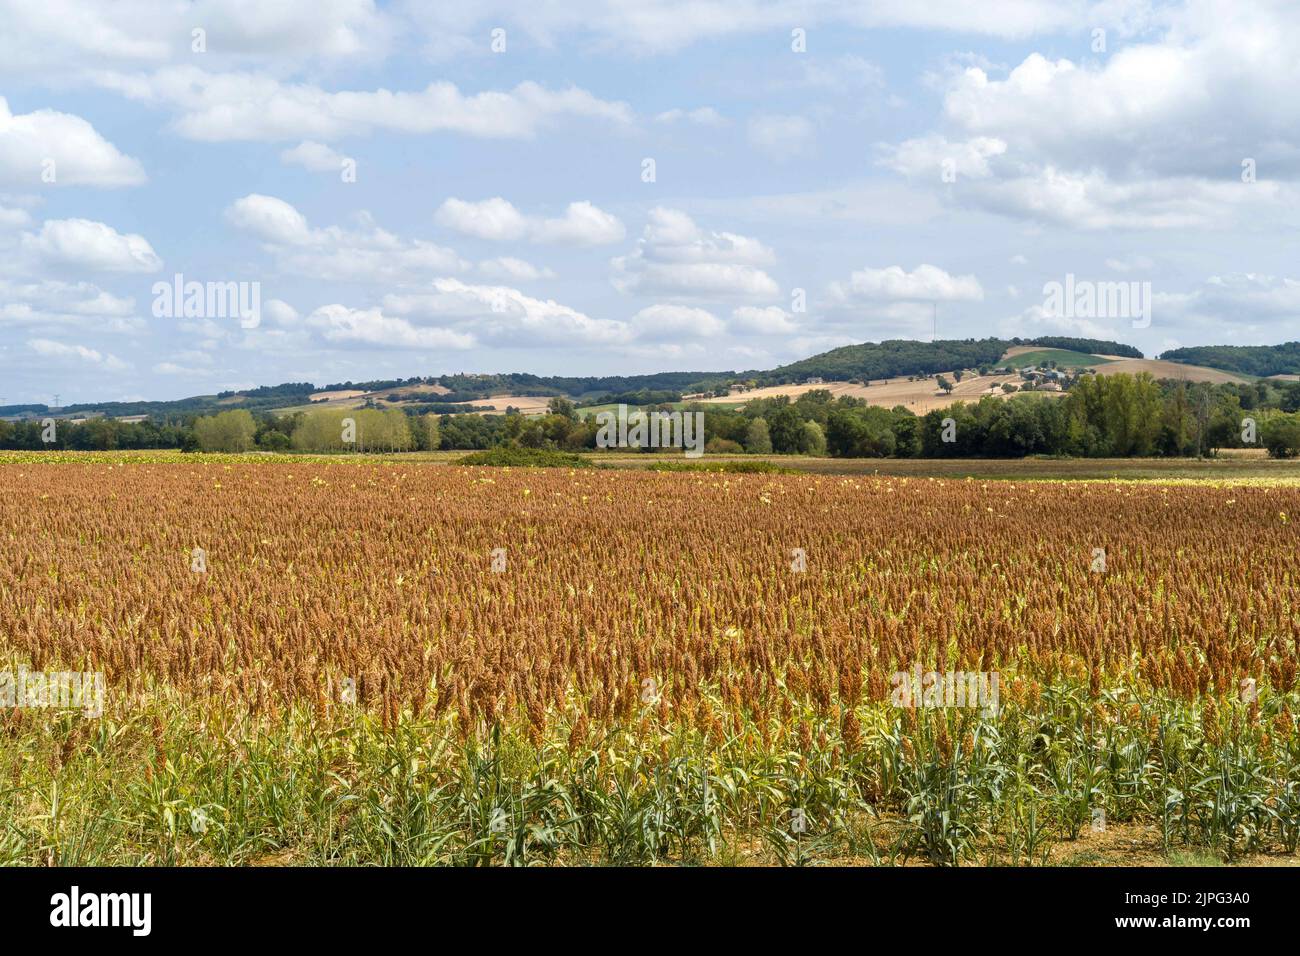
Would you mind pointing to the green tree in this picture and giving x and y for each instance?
(812, 440)
(321, 429)
(1281, 436)
(862, 432)
(431, 439)
(559, 405)
(758, 440)
(230, 431)
(786, 430)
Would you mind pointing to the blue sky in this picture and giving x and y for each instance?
(912, 154)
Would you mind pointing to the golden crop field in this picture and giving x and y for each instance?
(405, 662)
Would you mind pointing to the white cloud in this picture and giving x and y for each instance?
(174, 368)
(924, 283)
(1153, 136)
(11, 218)
(703, 116)
(934, 155)
(313, 156)
(991, 178)
(77, 354)
(659, 322)
(279, 312)
(1240, 308)
(502, 315)
(365, 254)
(270, 219)
(493, 218)
(216, 107)
(1039, 320)
(70, 34)
(772, 320)
(49, 301)
(340, 324)
(1237, 307)
(508, 267)
(79, 154)
(1093, 201)
(781, 137)
(582, 224)
(85, 244)
(674, 257)
(662, 26)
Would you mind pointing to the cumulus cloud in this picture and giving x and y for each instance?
(191, 363)
(173, 368)
(675, 322)
(45, 147)
(502, 315)
(582, 224)
(11, 218)
(313, 156)
(1237, 307)
(340, 324)
(934, 155)
(493, 218)
(771, 320)
(1039, 320)
(85, 244)
(365, 254)
(675, 257)
(76, 354)
(1153, 136)
(50, 301)
(924, 283)
(279, 312)
(270, 219)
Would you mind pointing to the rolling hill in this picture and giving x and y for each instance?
(877, 371)
(1258, 360)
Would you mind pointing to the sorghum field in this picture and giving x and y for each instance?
(414, 663)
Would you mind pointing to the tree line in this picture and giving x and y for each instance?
(1100, 416)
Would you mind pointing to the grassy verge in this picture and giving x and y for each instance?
(510, 457)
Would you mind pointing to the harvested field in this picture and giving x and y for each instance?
(917, 396)
(1160, 369)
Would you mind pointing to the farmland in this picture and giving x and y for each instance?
(411, 662)
(919, 395)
